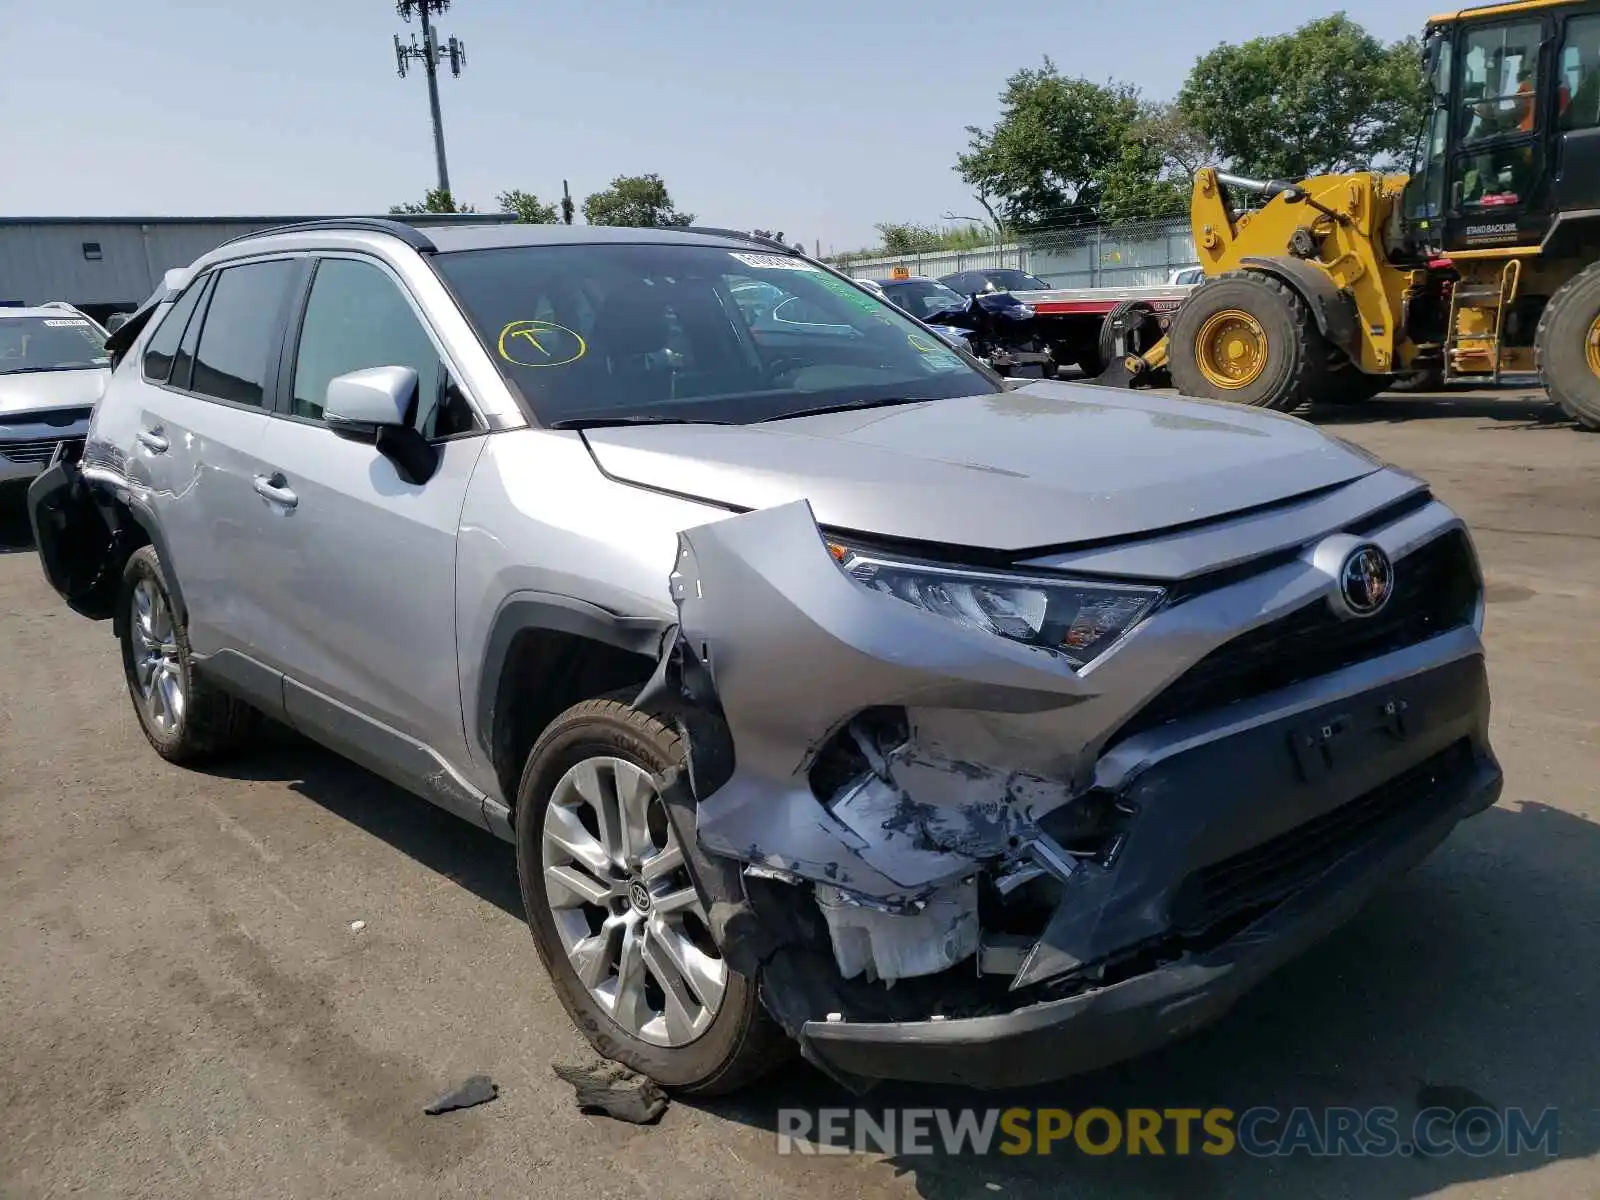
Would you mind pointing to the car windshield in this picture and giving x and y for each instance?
(923, 298)
(699, 333)
(1016, 281)
(61, 343)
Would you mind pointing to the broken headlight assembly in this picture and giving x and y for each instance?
(1076, 619)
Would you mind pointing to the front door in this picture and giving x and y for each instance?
(362, 592)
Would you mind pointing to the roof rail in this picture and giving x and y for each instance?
(409, 234)
(740, 234)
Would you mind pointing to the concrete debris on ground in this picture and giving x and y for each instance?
(479, 1089)
(612, 1089)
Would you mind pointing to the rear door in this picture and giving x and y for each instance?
(360, 601)
(208, 370)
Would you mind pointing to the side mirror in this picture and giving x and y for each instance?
(116, 321)
(374, 405)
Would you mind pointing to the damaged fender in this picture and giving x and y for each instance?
(794, 650)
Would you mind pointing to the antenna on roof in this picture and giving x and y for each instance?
(430, 53)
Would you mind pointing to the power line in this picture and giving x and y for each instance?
(430, 53)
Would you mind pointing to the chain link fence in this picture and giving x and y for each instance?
(1141, 254)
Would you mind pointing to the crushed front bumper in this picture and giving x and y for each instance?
(1056, 1038)
(1221, 790)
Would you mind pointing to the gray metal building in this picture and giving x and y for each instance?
(111, 264)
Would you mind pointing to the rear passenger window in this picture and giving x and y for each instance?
(163, 343)
(239, 340)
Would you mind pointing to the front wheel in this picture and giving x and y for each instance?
(614, 912)
(1567, 347)
(1248, 338)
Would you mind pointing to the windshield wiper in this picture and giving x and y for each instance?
(605, 422)
(56, 367)
(852, 406)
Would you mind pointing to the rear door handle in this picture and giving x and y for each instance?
(275, 488)
(153, 440)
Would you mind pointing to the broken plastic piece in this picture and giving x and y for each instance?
(479, 1089)
(612, 1089)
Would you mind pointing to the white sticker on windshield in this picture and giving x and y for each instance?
(773, 262)
(66, 324)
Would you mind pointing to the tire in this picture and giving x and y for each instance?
(1140, 338)
(185, 718)
(1293, 357)
(728, 1044)
(1563, 356)
(1348, 384)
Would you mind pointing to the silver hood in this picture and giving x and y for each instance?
(1046, 465)
(51, 389)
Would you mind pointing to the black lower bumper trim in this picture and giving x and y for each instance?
(1055, 1039)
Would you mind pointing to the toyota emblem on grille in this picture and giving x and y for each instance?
(1366, 580)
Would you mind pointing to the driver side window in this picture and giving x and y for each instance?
(355, 318)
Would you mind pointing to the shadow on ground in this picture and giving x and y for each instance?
(478, 861)
(1513, 410)
(16, 535)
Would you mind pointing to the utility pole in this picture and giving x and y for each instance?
(431, 54)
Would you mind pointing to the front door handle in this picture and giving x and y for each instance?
(153, 440)
(275, 488)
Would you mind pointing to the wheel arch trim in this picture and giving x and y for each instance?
(553, 612)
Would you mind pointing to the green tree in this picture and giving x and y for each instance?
(900, 237)
(1059, 145)
(527, 208)
(437, 200)
(637, 200)
(1327, 97)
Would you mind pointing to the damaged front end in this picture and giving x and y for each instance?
(935, 813)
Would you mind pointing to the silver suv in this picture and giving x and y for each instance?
(53, 367)
(831, 692)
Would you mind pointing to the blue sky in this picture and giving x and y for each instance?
(818, 119)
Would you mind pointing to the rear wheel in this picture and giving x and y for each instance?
(1247, 338)
(184, 717)
(614, 912)
(1567, 347)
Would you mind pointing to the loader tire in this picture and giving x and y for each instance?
(1348, 384)
(1566, 348)
(1248, 338)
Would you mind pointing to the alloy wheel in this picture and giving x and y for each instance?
(624, 907)
(158, 673)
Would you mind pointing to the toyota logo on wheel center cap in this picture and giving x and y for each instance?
(639, 896)
(1366, 580)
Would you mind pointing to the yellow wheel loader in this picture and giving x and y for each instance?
(1482, 262)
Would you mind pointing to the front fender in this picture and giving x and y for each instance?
(1334, 312)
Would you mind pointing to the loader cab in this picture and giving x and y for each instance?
(1512, 139)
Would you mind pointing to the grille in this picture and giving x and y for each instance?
(1270, 871)
(37, 451)
(56, 418)
(1436, 589)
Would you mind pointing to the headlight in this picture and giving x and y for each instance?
(1024, 311)
(1076, 619)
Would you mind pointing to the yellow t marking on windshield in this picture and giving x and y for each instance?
(569, 344)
